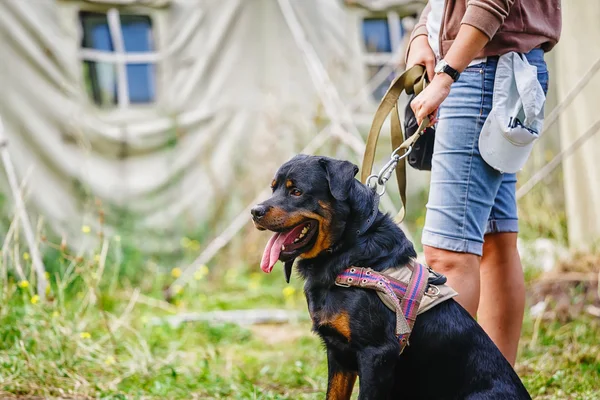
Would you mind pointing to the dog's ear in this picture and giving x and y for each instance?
(340, 175)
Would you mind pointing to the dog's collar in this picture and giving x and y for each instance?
(371, 218)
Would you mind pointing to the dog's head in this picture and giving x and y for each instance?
(314, 200)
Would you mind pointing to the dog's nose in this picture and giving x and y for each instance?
(258, 211)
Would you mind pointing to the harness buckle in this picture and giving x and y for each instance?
(341, 284)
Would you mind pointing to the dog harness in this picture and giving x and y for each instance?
(407, 290)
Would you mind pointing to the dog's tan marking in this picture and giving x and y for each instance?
(280, 219)
(274, 213)
(341, 323)
(273, 183)
(323, 241)
(340, 386)
(289, 183)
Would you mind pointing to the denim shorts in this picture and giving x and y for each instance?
(467, 197)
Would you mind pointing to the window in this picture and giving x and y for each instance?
(119, 59)
(382, 39)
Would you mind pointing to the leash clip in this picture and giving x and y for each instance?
(386, 172)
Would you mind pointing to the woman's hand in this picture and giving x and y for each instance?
(420, 53)
(428, 101)
(466, 46)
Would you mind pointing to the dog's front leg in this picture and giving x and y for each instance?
(376, 368)
(341, 380)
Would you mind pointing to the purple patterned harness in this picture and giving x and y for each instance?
(406, 298)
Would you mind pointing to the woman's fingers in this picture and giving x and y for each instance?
(430, 67)
(422, 109)
(415, 105)
(422, 113)
(433, 118)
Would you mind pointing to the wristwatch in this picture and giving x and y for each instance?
(442, 66)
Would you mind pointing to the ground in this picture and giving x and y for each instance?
(104, 334)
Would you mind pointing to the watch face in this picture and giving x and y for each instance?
(439, 67)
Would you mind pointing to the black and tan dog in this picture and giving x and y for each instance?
(316, 211)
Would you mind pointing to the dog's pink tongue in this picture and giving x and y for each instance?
(273, 248)
(272, 251)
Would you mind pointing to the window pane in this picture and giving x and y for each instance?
(376, 34)
(137, 33)
(141, 79)
(101, 82)
(96, 34)
(101, 79)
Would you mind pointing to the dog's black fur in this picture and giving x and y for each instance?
(449, 355)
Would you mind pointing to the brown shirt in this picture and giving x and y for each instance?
(511, 25)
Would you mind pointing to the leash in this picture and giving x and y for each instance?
(411, 81)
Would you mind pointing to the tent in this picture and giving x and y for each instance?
(166, 117)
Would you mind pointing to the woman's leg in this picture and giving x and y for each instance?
(463, 187)
(502, 296)
(462, 271)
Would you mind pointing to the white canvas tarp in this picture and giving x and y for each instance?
(404, 7)
(234, 100)
(575, 54)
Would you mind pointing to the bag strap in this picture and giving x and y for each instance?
(411, 81)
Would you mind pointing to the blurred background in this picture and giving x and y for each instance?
(135, 136)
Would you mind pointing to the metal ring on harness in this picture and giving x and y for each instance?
(374, 187)
(435, 289)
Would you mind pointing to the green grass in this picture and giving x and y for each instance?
(101, 336)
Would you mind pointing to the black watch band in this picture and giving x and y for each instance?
(444, 67)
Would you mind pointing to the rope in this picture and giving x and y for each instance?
(585, 79)
(555, 162)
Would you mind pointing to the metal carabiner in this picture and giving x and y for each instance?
(405, 154)
(387, 170)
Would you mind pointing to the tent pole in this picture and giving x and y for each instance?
(335, 108)
(36, 258)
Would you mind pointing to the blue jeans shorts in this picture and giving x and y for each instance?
(467, 197)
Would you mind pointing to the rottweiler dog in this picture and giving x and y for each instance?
(316, 211)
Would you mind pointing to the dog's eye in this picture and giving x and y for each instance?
(295, 192)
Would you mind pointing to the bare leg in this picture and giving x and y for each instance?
(462, 270)
(502, 299)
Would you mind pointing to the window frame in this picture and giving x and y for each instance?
(394, 29)
(386, 62)
(120, 58)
